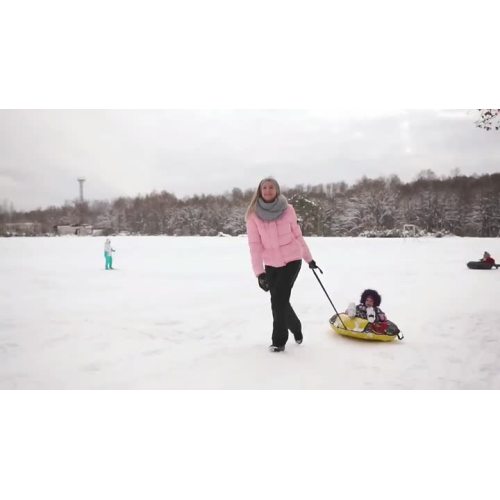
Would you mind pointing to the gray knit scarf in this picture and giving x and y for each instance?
(271, 211)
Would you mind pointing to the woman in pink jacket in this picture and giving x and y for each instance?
(277, 249)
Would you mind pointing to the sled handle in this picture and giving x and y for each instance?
(326, 293)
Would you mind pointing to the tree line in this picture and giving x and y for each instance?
(458, 204)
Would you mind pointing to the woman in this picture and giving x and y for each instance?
(277, 249)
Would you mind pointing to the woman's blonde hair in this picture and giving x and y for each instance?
(257, 195)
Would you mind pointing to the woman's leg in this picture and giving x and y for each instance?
(292, 321)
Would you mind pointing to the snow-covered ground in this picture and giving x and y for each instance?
(187, 313)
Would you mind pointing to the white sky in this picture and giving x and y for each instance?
(126, 152)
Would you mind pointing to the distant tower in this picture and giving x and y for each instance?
(81, 180)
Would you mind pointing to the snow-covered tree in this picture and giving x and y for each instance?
(489, 119)
(308, 213)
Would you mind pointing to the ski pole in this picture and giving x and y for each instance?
(334, 308)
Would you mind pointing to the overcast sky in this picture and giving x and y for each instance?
(124, 153)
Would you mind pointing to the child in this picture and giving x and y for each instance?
(369, 309)
(488, 259)
(108, 254)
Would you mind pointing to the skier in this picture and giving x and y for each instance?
(277, 248)
(108, 254)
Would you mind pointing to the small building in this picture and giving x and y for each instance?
(74, 229)
(22, 228)
(101, 229)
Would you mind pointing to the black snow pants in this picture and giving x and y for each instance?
(281, 280)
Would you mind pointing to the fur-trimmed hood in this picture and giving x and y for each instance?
(377, 299)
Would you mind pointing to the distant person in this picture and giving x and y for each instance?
(487, 262)
(277, 249)
(108, 254)
(488, 259)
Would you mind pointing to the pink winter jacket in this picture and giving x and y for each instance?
(275, 243)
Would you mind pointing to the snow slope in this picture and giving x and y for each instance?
(187, 313)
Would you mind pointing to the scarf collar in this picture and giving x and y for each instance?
(271, 211)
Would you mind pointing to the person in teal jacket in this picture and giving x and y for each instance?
(108, 254)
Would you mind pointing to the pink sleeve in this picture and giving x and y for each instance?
(306, 254)
(255, 244)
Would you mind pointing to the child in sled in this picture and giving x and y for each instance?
(488, 259)
(368, 308)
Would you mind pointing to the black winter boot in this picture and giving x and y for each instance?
(276, 348)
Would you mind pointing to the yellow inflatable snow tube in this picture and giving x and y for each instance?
(355, 328)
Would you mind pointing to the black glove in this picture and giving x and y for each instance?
(263, 283)
(312, 265)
